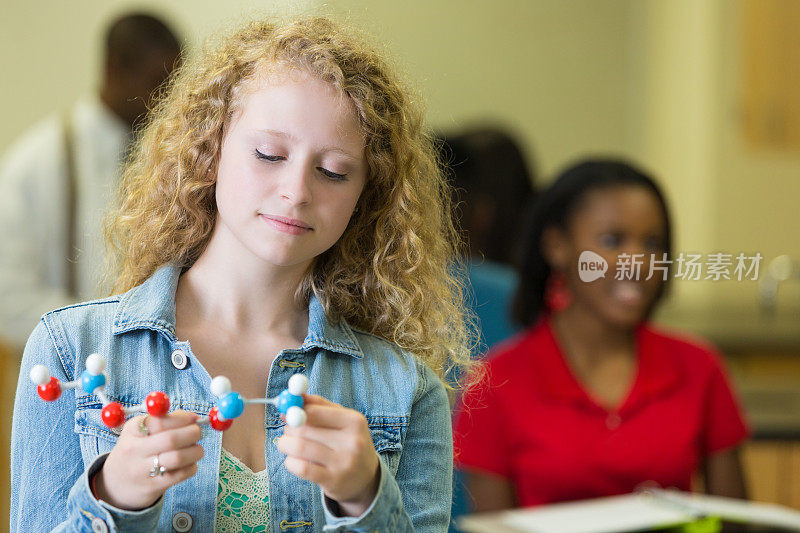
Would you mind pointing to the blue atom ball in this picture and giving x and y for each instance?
(231, 405)
(90, 382)
(287, 400)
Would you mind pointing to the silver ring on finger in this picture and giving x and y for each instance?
(157, 469)
(143, 429)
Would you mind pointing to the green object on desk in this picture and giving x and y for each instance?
(709, 524)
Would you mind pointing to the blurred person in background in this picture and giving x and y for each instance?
(592, 400)
(493, 185)
(58, 178)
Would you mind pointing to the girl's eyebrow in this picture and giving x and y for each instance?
(289, 136)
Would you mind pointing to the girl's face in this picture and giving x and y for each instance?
(610, 222)
(291, 169)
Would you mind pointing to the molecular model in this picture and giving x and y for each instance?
(230, 404)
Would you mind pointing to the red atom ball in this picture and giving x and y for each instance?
(157, 403)
(50, 391)
(216, 423)
(113, 415)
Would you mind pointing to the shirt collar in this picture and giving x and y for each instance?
(151, 305)
(657, 370)
(95, 110)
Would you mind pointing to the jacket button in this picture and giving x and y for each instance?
(98, 526)
(179, 359)
(182, 522)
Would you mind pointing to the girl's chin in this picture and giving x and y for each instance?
(624, 316)
(269, 261)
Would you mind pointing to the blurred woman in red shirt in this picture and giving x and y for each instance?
(592, 400)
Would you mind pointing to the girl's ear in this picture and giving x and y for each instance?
(556, 247)
(211, 173)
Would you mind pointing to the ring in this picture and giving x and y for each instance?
(144, 430)
(158, 469)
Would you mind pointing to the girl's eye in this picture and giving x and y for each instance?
(332, 175)
(654, 243)
(611, 240)
(267, 157)
(327, 173)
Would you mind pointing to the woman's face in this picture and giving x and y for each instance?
(291, 169)
(611, 222)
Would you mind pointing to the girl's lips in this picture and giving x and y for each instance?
(629, 293)
(287, 225)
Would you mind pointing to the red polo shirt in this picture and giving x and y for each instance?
(531, 421)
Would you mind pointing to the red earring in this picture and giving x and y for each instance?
(557, 295)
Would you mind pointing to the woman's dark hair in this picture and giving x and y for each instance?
(555, 207)
(131, 35)
(488, 168)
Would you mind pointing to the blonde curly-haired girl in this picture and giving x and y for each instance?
(283, 211)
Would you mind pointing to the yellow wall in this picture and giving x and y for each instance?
(726, 196)
(50, 49)
(757, 190)
(555, 72)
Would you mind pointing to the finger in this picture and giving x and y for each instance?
(333, 438)
(173, 477)
(305, 448)
(173, 420)
(173, 439)
(177, 459)
(131, 425)
(157, 424)
(307, 470)
(313, 399)
(333, 416)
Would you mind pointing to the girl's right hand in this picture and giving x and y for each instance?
(124, 479)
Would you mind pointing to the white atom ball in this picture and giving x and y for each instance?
(220, 386)
(295, 416)
(95, 364)
(40, 375)
(298, 384)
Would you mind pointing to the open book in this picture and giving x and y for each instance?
(651, 509)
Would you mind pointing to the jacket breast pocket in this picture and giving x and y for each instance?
(95, 437)
(387, 437)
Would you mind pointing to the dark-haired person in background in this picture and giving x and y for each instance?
(58, 178)
(493, 184)
(592, 400)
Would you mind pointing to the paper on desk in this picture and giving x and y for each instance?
(649, 510)
(736, 510)
(615, 514)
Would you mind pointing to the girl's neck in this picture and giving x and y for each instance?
(241, 297)
(582, 334)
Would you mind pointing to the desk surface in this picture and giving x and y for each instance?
(493, 524)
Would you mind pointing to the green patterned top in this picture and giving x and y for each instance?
(242, 497)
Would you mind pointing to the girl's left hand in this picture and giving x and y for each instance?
(334, 450)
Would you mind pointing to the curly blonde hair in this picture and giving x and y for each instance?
(395, 271)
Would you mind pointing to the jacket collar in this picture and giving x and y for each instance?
(657, 371)
(151, 306)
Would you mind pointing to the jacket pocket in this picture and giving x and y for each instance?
(95, 437)
(387, 437)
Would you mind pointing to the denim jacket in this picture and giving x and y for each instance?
(57, 446)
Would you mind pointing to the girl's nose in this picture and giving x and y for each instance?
(296, 184)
